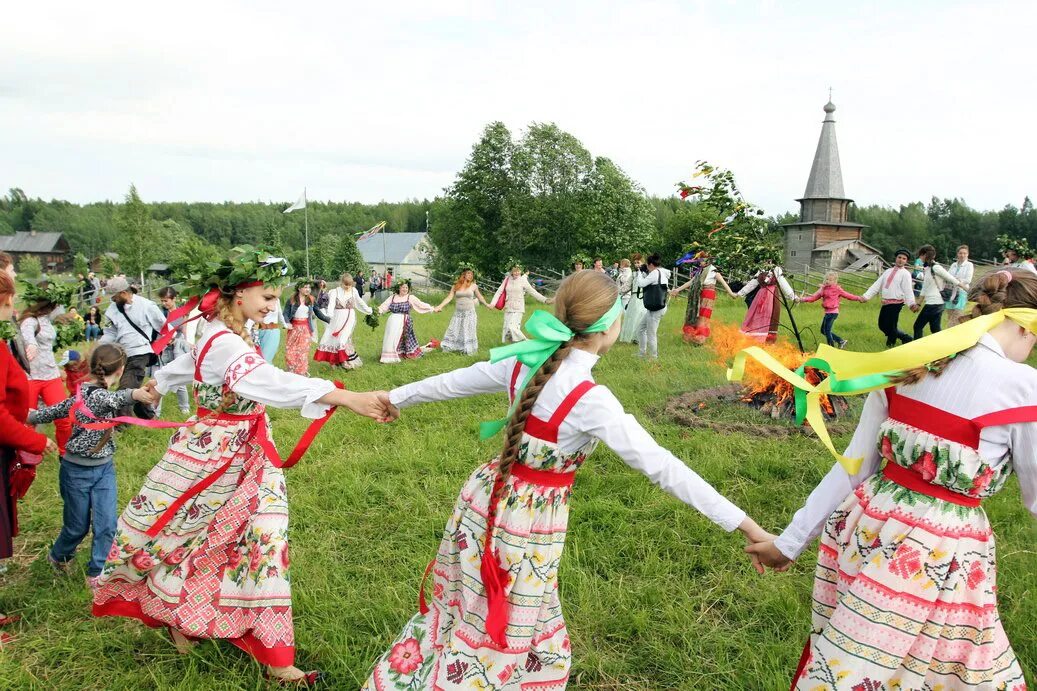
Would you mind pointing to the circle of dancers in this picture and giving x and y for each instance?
(904, 593)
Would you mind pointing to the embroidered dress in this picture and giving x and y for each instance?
(399, 342)
(216, 564)
(904, 593)
(336, 346)
(297, 345)
(448, 643)
(462, 334)
(764, 315)
(702, 295)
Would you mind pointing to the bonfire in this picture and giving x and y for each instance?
(763, 389)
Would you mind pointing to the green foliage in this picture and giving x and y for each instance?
(348, 258)
(30, 267)
(1020, 246)
(109, 267)
(538, 201)
(80, 264)
(724, 224)
(139, 242)
(49, 292)
(245, 264)
(70, 332)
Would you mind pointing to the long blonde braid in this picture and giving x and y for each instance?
(236, 325)
(582, 298)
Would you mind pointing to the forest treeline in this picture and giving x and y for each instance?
(541, 199)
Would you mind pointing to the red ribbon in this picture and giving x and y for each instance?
(259, 431)
(206, 305)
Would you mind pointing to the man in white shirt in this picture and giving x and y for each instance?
(896, 287)
(648, 333)
(133, 322)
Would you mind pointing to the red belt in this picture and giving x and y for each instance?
(546, 478)
(913, 481)
(267, 327)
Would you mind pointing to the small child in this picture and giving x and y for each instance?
(830, 293)
(87, 475)
(75, 370)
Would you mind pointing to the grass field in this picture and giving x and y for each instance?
(655, 596)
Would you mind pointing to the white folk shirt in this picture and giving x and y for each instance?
(783, 284)
(516, 293)
(1006, 384)
(656, 275)
(1024, 265)
(257, 381)
(895, 285)
(598, 415)
(933, 280)
(348, 298)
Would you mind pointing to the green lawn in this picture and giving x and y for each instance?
(655, 596)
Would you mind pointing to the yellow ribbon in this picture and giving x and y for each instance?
(844, 365)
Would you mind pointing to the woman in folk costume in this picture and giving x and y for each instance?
(764, 315)
(634, 310)
(904, 592)
(399, 342)
(336, 346)
(492, 618)
(462, 333)
(299, 314)
(701, 296)
(202, 548)
(511, 297)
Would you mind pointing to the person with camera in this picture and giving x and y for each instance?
(653, 281)
(133, 322)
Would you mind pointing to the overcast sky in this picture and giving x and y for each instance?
(367, 101)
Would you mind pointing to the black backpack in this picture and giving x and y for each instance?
(655, 295)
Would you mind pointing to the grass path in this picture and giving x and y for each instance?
(655, 596)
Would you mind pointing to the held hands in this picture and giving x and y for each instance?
(51, 447)
(761, 548)
(147, 394)
(766, 554)
(372, 404)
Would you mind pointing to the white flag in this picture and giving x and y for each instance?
(301, 204)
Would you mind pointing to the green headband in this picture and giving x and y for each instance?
(548, 334)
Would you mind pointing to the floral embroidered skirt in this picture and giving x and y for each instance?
(297, 347)
(336, 346)
(448, 648)
(904, 598)
(219, 568)
(462, 333)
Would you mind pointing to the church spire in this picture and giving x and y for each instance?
(826, 175)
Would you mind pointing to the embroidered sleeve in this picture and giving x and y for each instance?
(242, 366)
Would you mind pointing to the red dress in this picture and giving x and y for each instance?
(14, 435)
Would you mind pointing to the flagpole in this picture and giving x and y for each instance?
(306, 225)
(385, 264)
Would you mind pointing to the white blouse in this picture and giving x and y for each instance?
(597, 415)
(351, 298)
(1006, 384)
(301, 312)
(260, 382)
(782, 284)
(416, 304)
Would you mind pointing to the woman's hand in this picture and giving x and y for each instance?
(51, 447)
(147, 394)
(31, 352)
(767, 554)
(372, 404)
(754, 535)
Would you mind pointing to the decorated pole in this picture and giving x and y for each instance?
(306, 226)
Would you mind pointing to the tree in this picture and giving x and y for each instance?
(139, 242)
(109, 267)
(80, 265)
(29, 266)
(348, 258)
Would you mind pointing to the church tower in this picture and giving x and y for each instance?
(822, 237)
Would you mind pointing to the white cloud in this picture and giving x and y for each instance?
(355, 101)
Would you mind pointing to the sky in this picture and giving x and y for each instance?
(244, 101)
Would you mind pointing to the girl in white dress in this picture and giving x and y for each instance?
(399, 342)
(336, 346)
(511, 297)
(491, 617)
(462, 333)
